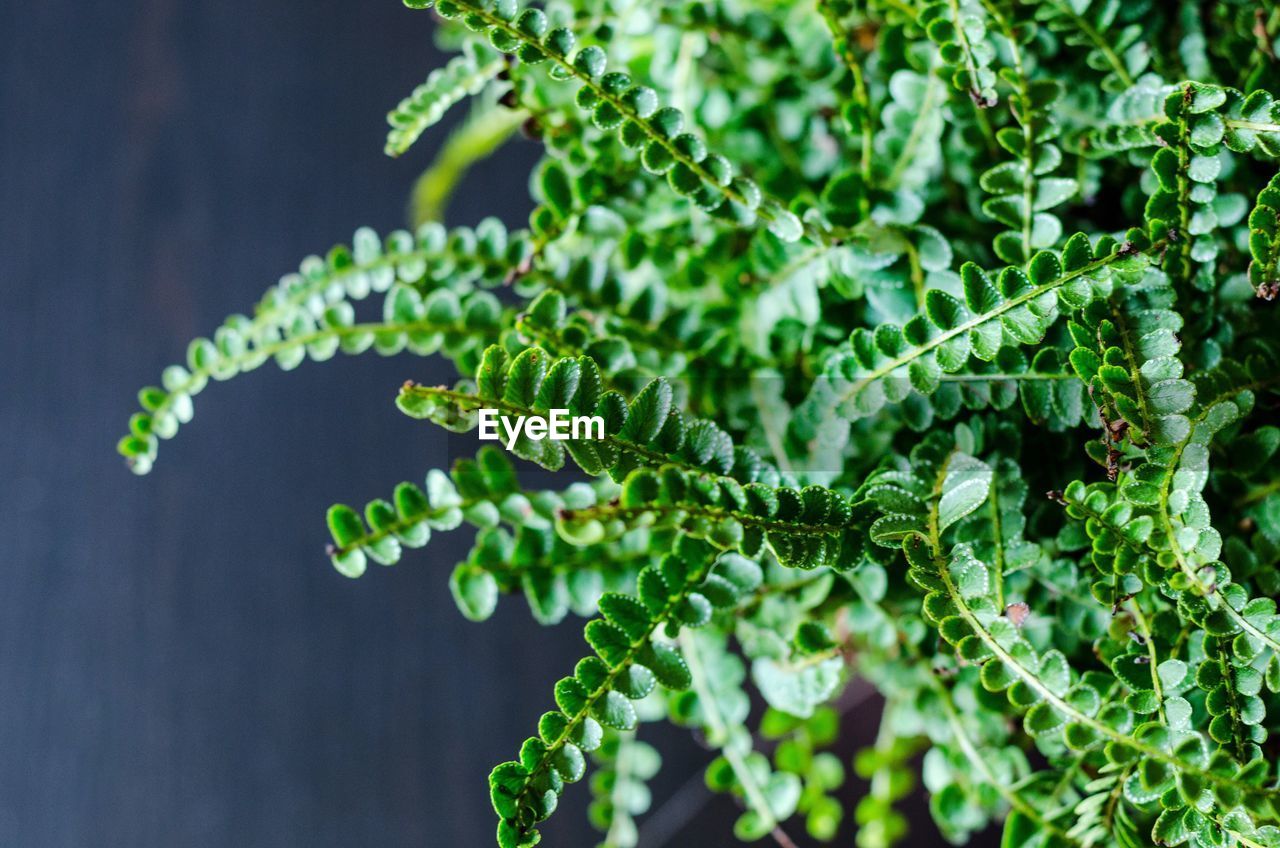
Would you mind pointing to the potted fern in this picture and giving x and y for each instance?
(926, 343)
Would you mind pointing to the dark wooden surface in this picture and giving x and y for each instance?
(179, 665)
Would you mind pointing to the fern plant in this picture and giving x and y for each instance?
(933, 344)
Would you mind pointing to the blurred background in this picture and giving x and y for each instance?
(179, 663)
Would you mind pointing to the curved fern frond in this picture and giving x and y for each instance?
(1024, 190)
(1023, 817)
(1119, 51)
(618, 104)
(886, 365)
(648, 430)
(1136, 373)
(464, 75)
(803, 528)
(1186, 208)
(485, 493)
(800, 751)
(911, 127)
(1126, 352)
(311, 314)
(623, 765)
(880, 824)
(630, 661)
(1160, 506)
(719, 706)
(857, 111)
(996, 529)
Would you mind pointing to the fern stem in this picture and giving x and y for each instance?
(1239, 837)
(718, 734)
(997, 535)
(917, 273)
(624, 513)
(1258, 493)
(1255, 126)
(844, 49)
(1029, 376)
(933, 84)
(962, 38)
(974, 756)
(1098, 39)
(1153, 660)
(1182, 246)
(1131, 356)
(477, 139)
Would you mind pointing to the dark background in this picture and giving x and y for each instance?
(179, 664)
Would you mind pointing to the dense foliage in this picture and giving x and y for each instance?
(936, 347)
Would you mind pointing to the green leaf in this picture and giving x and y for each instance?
(786, 225)
(475, 591)
(615, 710)
(796, 689)
(965, 488)
(524, 377)
(344, 525)
(648, 412)
(557, 191)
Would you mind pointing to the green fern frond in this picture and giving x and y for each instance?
(647, 430)
(630, 661)
(1264, 242)
(623, 765)
(485, 493)
(311, 314)
(959, 28)
(463, 76)
(886, 365)
(1113, 40)
(1025, 189)
(803, 528)
(618, 104)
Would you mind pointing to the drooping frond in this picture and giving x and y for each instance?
(464, 75)
(428, 306)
